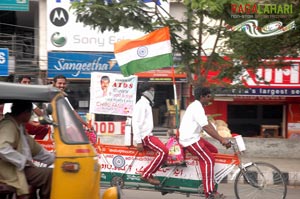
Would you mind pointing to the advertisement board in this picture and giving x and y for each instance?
(65, 34)
(80, 64)
(265, 81)
(112, 94)
(14, 5)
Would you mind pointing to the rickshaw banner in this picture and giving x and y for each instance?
(112, 94)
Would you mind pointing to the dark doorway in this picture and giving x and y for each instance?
(247, 119)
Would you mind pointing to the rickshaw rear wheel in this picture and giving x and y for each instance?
(117, 181)
(260, 180)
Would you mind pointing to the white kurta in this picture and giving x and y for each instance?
(191, 124)
(142, 120)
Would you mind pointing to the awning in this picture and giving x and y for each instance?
(161, 75)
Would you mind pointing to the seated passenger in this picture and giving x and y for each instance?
(18, 149)
(33, 127)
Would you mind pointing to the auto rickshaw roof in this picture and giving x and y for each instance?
(36, 93)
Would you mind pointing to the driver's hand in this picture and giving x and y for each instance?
(226, 143)
(140, 147)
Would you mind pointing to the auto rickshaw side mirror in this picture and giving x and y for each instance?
(112, 193)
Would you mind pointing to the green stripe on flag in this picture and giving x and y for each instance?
(146, 64)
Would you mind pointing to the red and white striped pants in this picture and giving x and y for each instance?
(154, 144)
(203, 150)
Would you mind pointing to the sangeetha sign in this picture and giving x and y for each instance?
(80, 64)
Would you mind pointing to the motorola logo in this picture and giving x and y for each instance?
(59, 17)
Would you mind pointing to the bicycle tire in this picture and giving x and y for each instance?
(260, 180)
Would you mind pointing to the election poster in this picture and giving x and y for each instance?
(112, 94)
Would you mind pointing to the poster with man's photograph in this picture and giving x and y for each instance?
(112, 94)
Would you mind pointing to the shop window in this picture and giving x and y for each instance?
(78, 95)
(248, 119)
(272, 111)
(242, 111)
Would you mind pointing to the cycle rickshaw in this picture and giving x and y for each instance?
(122, 165)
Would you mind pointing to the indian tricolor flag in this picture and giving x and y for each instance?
(149, 52)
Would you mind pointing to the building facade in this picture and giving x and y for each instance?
(46, 41)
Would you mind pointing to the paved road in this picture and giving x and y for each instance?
(226, 189)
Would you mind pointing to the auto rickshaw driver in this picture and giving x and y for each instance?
(75, 160)
(17, 150)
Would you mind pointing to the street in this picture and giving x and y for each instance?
(293, 192)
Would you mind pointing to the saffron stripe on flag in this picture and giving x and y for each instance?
(152, 51)
(156, 36)
(152, 63)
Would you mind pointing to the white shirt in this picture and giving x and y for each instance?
(142, 120)
(192, 122)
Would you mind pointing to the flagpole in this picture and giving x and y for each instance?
(175, 99)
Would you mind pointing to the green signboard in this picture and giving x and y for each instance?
(14, 5)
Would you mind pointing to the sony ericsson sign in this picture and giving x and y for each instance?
(65, 34)
(252, 12)
(79, 64)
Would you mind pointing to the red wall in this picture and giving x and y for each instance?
(217, 107)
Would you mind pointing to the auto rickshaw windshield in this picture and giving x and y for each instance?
(70, 128)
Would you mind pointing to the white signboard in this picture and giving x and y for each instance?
(112, 94)
(65, 34)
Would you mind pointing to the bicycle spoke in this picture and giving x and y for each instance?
(260, 180)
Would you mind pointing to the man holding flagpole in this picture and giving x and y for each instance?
(149, 52)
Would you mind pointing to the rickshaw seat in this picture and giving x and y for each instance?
(6, 191)
(9, 192)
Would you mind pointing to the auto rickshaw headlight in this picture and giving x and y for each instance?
(112, 193)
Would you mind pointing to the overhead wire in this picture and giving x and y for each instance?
(37, 59)
(19, 26)
(36, 45)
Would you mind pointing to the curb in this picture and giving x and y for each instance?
(291, 178)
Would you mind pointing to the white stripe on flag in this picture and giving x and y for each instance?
(156, 49)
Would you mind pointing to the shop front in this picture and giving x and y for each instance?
(267, 106)
(164, 110)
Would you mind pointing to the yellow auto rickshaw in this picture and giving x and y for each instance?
(76, 171)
